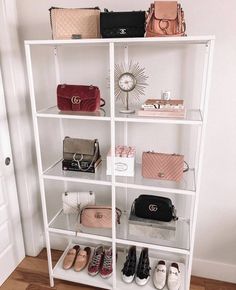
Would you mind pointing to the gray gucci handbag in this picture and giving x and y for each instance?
(80, 154)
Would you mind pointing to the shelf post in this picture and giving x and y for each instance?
(126, 59)
(202, 133)
(113, 178)
(58, 81)
(39, 160)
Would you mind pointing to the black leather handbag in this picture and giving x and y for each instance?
(154, 208)
(122, 24)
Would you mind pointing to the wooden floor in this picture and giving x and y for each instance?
(32, 274)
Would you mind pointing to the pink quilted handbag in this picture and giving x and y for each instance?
(98, 216)
(162, 166)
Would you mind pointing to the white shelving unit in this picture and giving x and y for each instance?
(181, 249)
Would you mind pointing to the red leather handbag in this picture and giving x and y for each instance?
(79, 98)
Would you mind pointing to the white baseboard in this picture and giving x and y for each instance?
(214, 270)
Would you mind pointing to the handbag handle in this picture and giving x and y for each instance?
(103, 103)
(82, 156)
(174, 213)
(187, 167)
(151, 13)
(133, 207)
(119, 214)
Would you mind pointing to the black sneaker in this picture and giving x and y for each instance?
(128, 271)
(143, 270)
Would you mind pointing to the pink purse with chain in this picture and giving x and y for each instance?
(162, 166)
(98, 216)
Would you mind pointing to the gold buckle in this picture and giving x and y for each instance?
(164, 25)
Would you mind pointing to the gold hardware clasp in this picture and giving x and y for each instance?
(75, 100)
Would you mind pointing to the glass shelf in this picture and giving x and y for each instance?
(193, 117)
(186, 186)
(174, 235)
(55, 172)
(53, 112)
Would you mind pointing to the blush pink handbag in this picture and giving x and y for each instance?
(98, 216)
(163, 166)
(166, 18)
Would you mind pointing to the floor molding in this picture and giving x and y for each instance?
(214, 270)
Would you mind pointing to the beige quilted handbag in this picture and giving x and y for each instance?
(98, 216)
(163, 166)
(68, 23)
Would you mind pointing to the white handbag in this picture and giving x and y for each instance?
(73, 202)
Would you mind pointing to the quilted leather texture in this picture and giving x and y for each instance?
(162, 166)
(98, 216)
(78, 98)
(122, 24)
(68, 21)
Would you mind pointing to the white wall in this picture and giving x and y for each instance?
(215, 254)
(17, 103)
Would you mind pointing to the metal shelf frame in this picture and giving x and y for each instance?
(112, 119)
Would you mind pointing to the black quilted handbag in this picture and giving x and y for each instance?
(154, 208)
(122, 24)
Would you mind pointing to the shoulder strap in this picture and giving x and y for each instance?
(151, 13)
(174, 213)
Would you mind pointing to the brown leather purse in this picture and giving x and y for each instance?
(166, 18)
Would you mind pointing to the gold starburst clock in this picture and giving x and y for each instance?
(130, 83)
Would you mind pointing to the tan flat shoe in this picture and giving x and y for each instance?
(70, 257)
(82, 259)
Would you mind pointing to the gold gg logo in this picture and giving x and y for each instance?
(75, 100)
(153, 207)
(98, 215)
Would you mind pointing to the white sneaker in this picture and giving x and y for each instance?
(174, 277)
(159, 275)
(143, 269)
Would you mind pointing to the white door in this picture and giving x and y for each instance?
(11, 238)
